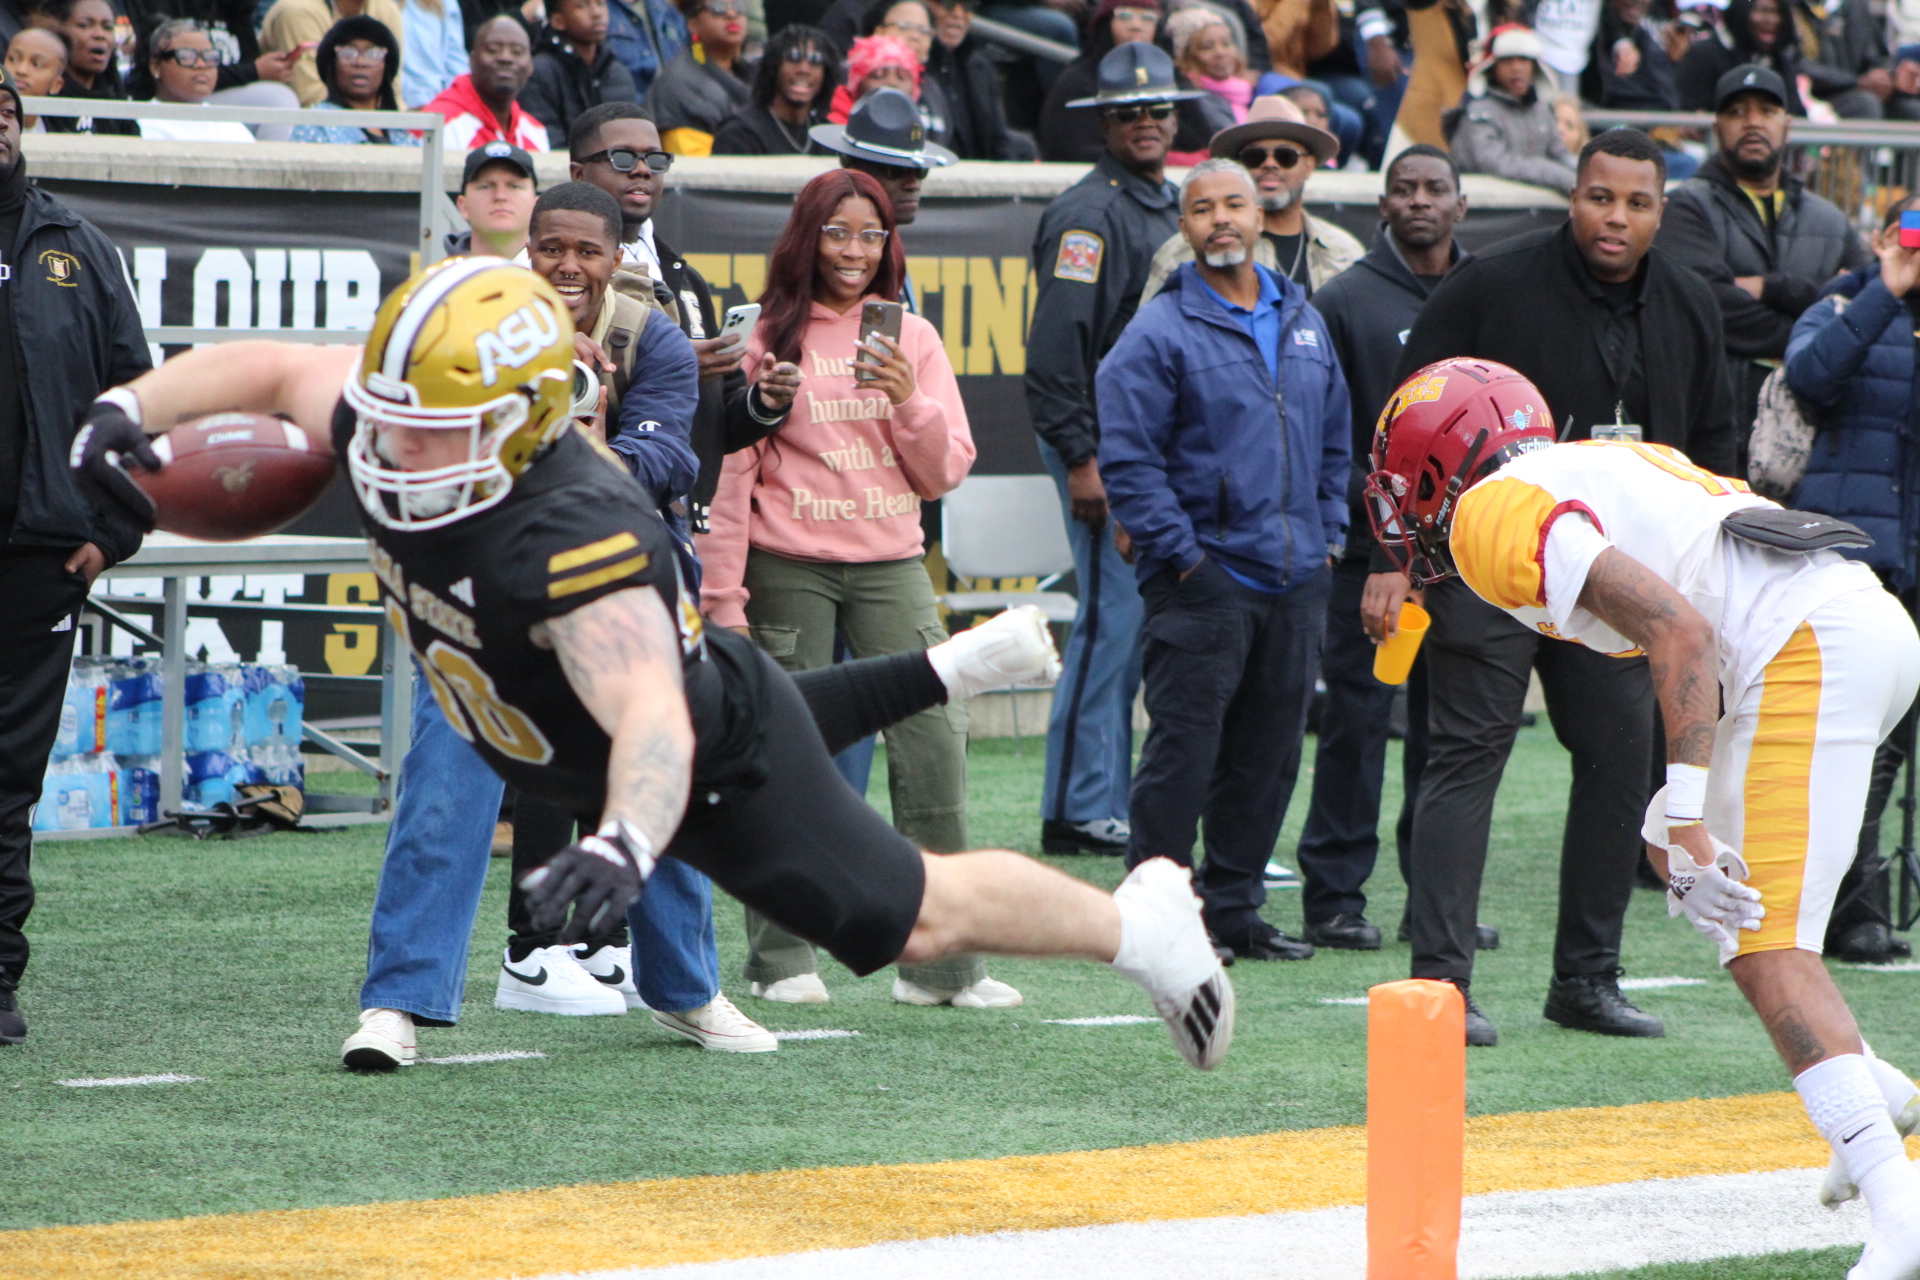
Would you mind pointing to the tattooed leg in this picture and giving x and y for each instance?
(1802, 1010)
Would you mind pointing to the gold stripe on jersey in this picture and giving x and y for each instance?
(1778, 789)
(1497, 538)
(579, 582)
(562, 561)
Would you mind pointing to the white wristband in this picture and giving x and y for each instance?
(127, 402)
(1686, 793)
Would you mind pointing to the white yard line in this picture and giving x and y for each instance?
(467, 1059)
(1899, 966)
(1523, 1233)
(114, 1082)
(1655, 984)
(824, 1034)
(1109, 1020)
(1341, 1000)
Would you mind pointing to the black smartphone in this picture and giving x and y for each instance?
(876, 317)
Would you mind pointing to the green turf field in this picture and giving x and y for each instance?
(239, 962)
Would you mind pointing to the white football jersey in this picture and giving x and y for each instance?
(1525, 537)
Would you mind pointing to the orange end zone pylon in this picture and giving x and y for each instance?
(1416, 1129)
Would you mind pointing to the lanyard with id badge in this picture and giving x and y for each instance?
(1619, 428)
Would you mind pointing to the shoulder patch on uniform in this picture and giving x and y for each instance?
(1079, 258)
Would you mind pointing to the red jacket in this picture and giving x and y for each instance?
(471, 122)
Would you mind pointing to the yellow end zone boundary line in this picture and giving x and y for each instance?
(676, 1220)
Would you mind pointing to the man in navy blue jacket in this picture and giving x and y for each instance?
(1224, 449)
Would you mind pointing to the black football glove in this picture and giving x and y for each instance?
(598, 877)
(109, 440)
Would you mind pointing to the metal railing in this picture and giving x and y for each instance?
(433, 199)
(1023, 41)
(1864, 166)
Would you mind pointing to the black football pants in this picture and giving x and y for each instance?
(40, 596)
(1602, 710)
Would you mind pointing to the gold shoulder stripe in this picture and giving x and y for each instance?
(600, 550)
(588, 581)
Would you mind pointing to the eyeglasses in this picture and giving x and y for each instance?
(1134, 110)
(812, 57)
(347, 53)
(1137, 15)
(1285, 157)
(908, 28)
(838, 236)
(191, 57)
(727, 8)
(626, 159)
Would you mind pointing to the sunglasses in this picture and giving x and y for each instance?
(626, 159)
(191, 57)
(812, 57)
(727, 8)
(1133, 111)
(1285, 157)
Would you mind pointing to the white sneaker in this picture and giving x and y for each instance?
(609, 965)
(383, 1042)
(1838, 1186)
(1279, 877)
(1164, 948)
(988, 993)
(1008, 649)
(550, 980)
(719, 1026)
(1890, 1255)
(801, 988)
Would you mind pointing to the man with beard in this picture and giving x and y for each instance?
(1224, 449)
(1281, 150)
(1761, 240)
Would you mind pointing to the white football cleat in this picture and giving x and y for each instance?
(988, 993)
(550, 980)
(383, 1042)
(1890, 1255)
(719, 1026)
(801, 988)
(1164, 948)
(610, 967)
(1008, 649)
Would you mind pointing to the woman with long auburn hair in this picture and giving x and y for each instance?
(816, 531)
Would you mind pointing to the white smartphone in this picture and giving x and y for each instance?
(738, 324)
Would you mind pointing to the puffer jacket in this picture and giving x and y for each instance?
(1513, 138)
(1851, 360)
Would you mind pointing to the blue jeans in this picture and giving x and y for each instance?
(1090, 732)
(438, 850)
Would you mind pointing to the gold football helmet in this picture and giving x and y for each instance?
(470, 344)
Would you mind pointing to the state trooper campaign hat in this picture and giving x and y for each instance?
(884, 128)
(1136, 72)
(496, 152)
(1751, 79)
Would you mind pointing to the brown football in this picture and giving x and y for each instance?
(232, 476)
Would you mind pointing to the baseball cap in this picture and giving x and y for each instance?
(496, 152)
(1751, 79)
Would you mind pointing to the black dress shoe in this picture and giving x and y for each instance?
(13, 1027)
(1592, 1002)
(1264, 942)
(1867, 943)
(1348, 931)
(1485, 936)
(1058, 837)
(1480, 1030)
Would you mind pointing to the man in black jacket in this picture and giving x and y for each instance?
(1370, 309)
(1624, 342)
(573, 68)
(64, 298)
(1760, 240)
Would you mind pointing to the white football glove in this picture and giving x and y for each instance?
(1010, 649)
(1713, 898)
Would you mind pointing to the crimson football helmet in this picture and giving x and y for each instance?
(1449, 425)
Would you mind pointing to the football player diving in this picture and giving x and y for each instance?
(1629, 548)
(576, 664)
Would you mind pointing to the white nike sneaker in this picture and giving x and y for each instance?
(550, 980)
(610, 967)
(1838, 1186)
(1164, 948)
(383, 1042)
(1890, 1255)
(801, 988)
(719, 1026)
(1008, 649)
(988, 993)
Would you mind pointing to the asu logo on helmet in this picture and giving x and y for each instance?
(1447, 427)
(471, 344)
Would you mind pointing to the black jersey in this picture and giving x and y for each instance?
(467, 596)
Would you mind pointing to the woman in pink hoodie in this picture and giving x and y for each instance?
(816, 531)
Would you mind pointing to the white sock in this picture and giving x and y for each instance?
(1160, 946)
(1845, 1103)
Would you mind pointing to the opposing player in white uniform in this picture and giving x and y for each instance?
(1629, 548)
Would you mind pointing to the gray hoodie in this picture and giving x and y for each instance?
(1513, 138)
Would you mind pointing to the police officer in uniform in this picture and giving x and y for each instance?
(1092, 256)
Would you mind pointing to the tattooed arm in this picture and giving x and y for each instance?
(1627, 596)
(622, 656)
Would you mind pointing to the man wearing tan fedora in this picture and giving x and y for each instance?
(1281, 150)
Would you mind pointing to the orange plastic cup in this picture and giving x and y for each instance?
(1393, 661)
